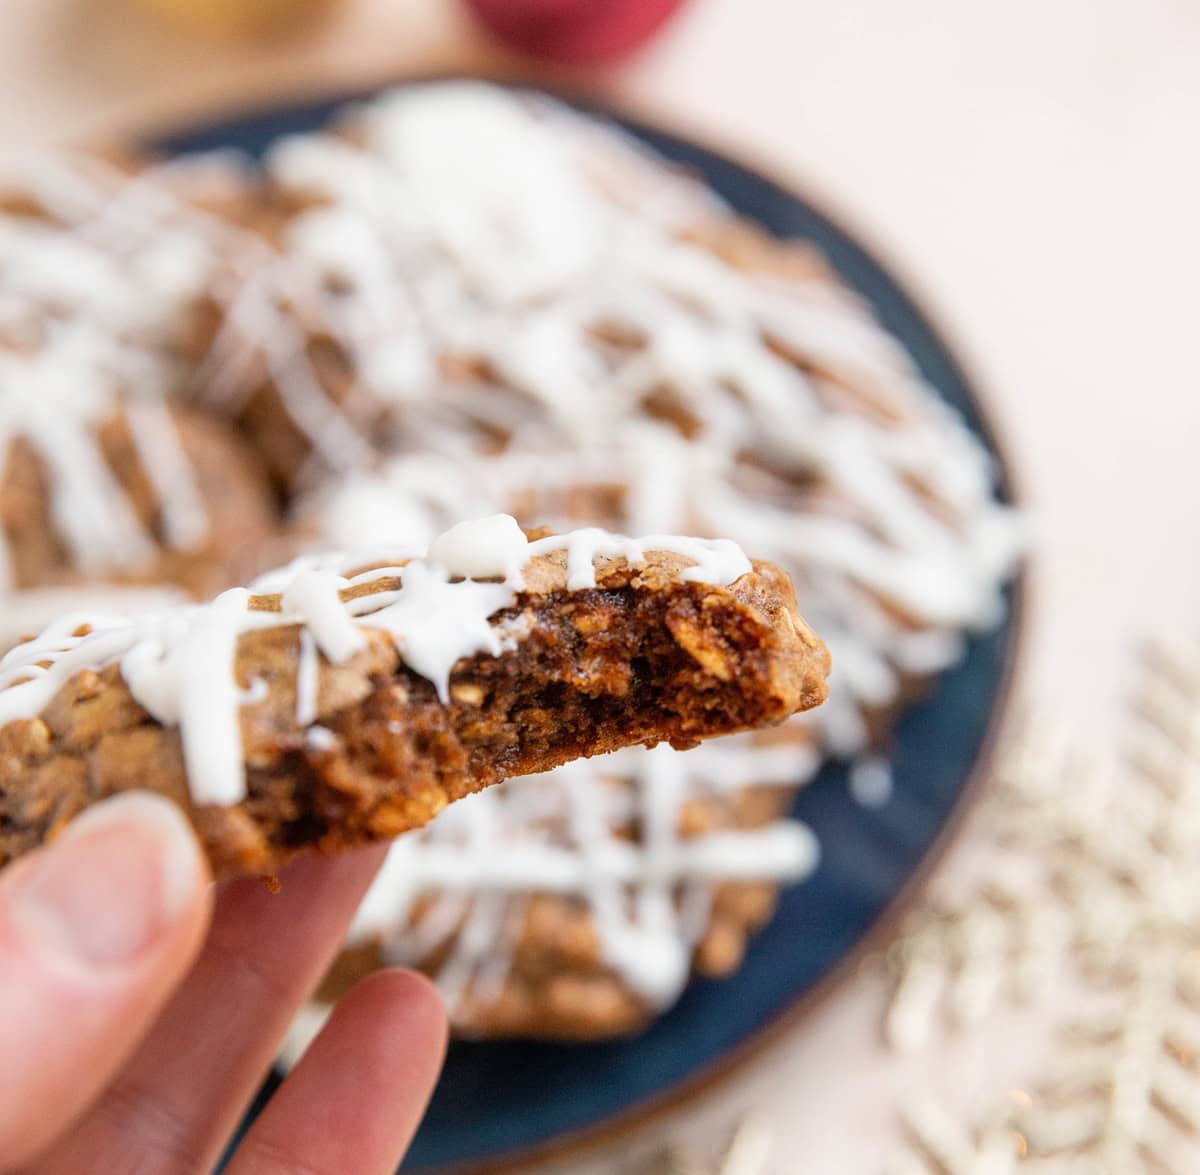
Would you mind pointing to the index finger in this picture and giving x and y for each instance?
(179, 1098)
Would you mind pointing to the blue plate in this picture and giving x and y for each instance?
(498, 1102)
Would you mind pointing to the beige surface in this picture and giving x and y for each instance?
(1032, 170)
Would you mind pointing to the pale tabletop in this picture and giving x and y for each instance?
(1029, 169)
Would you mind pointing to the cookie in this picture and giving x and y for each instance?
(123, 490)
(122, 259)
(342, 701)
(102, 477)
(575, 907)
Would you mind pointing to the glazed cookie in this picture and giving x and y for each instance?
(105, 488)
(345, 700)
(102, 479)
(125, 260)
(575, 906)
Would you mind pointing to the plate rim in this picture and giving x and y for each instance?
(582, 1141)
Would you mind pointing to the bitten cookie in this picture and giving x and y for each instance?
(345, 701)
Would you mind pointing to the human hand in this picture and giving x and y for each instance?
(140, 1009)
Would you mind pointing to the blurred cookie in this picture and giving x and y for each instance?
(103, 273)
(575, 906)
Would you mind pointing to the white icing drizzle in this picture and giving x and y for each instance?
(482, 549)
(314, 595)
(198, 692)
(713, 560)
(54, 399)
(320, 738)
(307, 680)
(179, 662)
(185, 523)
(434, 621)
(871, 781)
(92, 296)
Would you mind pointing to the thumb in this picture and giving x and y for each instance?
(96, 931)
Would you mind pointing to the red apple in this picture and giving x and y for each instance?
(575, 32)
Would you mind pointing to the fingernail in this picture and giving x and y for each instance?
(113, 884)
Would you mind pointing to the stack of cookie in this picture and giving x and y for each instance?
(463, 300)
